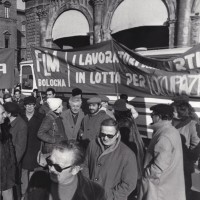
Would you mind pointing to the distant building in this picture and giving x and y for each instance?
(68, 24)
(12, 29)
(21, 35)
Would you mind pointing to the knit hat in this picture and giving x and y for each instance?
(162, 109)
(54, 103)
(120, 105)
(29, 100)
(12, 108)
(94, 100)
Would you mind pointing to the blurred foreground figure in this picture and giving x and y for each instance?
(7, 160)
(65, 180)
(163, 177)
(186, 125)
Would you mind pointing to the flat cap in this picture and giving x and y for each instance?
(12, 108)
(104, 98)
(94, 100)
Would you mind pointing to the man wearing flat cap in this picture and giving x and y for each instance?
(90, 126)
(163, 174)
(18, 130)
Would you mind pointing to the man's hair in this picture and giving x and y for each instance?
(16, 90)
(75, 147)
(74, 100)
(124, 96)
(110, 122)
(18, 86)
(51, 90)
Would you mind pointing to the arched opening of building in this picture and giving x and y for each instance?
(141, 23)
(71, 30)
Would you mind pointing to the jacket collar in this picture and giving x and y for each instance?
(161, 124)
(109, 149)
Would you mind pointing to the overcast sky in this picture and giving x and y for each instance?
(20, 4)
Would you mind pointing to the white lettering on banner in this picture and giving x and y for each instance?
(98, 58)
(105, 77)
(51, 83)
(80, 77)
(50, 63)
(136, 79)
(165, 85)
(192, 60)
(3, 68)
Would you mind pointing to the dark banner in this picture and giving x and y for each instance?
(110, 68)
(6, 68)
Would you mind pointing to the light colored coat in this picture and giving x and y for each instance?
(163, 177)
(71, 129)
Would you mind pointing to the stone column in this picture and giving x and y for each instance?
(42, 13)
(171, 26)
(98, 6)
(195, 29)
(183, 34)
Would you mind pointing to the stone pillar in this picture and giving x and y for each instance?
(98, 6)
(183, 26)
(171, 26)
(42, 13)
(195, 29)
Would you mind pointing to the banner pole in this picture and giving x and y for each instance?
(116, 84)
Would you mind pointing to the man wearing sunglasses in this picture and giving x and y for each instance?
(66, 180)
(111, 163)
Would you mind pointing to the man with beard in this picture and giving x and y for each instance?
(91, 123)
(73, 117)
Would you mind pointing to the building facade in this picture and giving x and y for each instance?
(12, 29)
(8, 25)
(49, 23)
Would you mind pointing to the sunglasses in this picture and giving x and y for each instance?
(57, 167)
(108, 135)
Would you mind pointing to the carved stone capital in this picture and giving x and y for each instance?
(97, 2)
(42, 12)
(170, 22)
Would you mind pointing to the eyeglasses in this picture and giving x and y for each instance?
(57, 167)
(108, 135)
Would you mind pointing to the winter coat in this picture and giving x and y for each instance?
(18, 130)
(29, 161)
(115, 168)
(51, 131)
(90, 126)
(86, 190)
(71, 129)
(7, 160)
(163, 177)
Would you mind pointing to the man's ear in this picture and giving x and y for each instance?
(76, 169)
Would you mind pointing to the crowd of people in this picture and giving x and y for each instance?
(88, 150)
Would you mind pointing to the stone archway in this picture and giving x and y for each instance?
(168, 5)
(55, 13)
